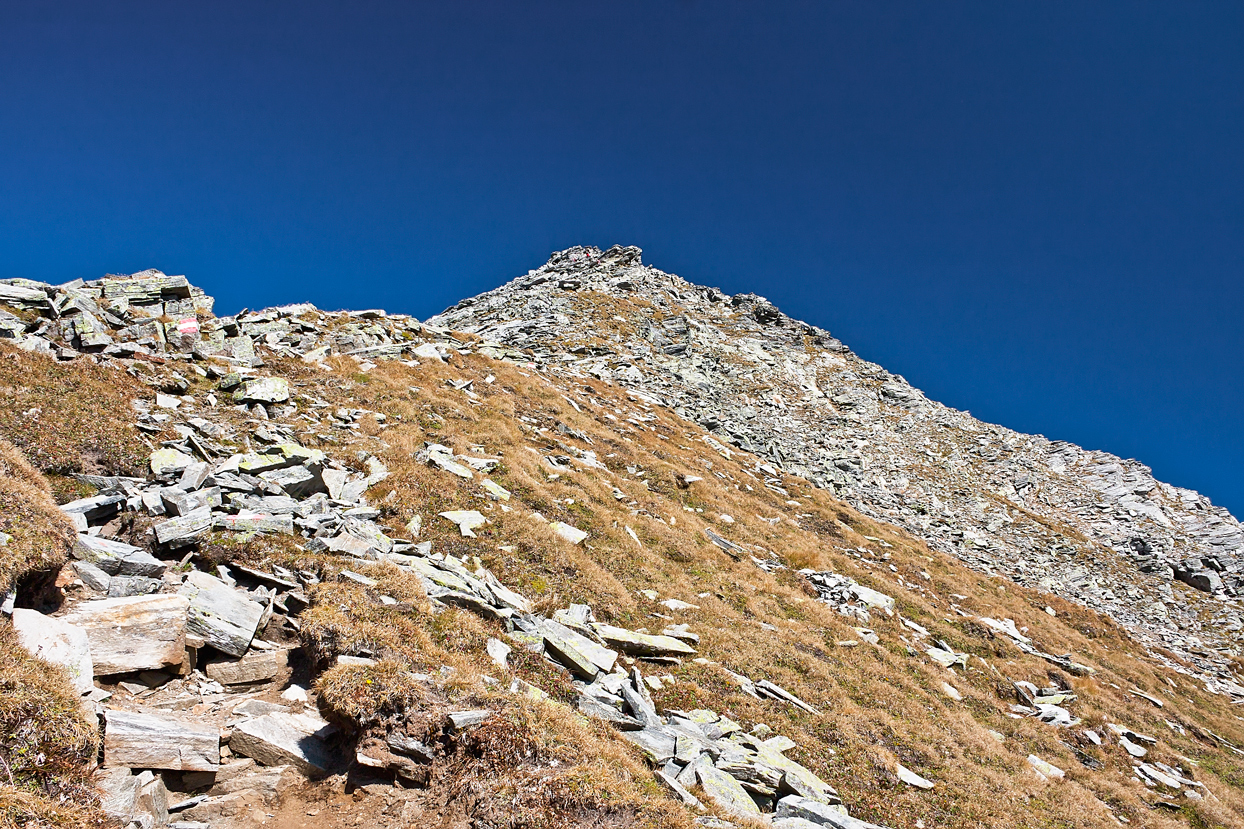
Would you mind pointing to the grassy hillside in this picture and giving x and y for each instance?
(607, 462)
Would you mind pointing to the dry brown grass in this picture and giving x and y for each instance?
(47, 743)
(539, 764)
(19, 808)
(881, 705)
(70, 417)
(40, 535)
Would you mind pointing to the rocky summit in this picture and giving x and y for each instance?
(598, 548)
(1077, 523)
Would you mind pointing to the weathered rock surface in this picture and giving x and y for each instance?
(133, 634)
(258, 666)
(280, 739)
(149, 742)
(218, 616)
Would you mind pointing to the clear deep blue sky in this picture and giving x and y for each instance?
(1032, 211)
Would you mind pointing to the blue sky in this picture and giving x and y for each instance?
(1032, 211)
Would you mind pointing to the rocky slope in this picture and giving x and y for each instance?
(1078, 523)
(599, 548)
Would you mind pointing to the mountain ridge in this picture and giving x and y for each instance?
(1170, 532)
(632, 554)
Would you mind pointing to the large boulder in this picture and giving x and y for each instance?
(59, 642)
(137, 633)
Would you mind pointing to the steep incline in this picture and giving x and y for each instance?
(298, 568)
(1082, 524)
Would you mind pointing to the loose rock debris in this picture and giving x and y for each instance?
(175, 630)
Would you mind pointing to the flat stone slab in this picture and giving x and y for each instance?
(495, 490)
(168, 460)
(723, 789)
(186, 530)
(126, 797)
(572, 534)
(117, 558)
(149, 742)
(1047, 770)
(599, 710)
(911, 778)
(468, 719)
(95, 509)
(445, 460)
(263, 390)
(259, 666)
(137, 633)
(255, 523)
(657, 745)
(281, 739)
(218, 615)
(59, 642)
(297, 481)
(466, 519)
(642, 644)
(793, 807)
(561, 641)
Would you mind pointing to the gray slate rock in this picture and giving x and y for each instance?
(133, 634)
(279, 739)
(145, 741)
(218, 615)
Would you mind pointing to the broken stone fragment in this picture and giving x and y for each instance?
(58, 642)
(133, 799)
(656, 744)
(461, 720)
(168, 460)
(569, 533)
(122, 586)
(443, 458)
(769, 689)
(723, 789)
(947, 658)
(558, 637)
(218, 615)
(297, 481)
(95, 510)
(133, 634)
(911, 778)
(427, 351)
(92, 576)
(1047, 771)
(252, 522)
(279, 739)
(264, 390)
(185, 530)
(258, 666)
(150, 742)
(179, 502)
(642, 644)
(793, 807)
(495, 490)
(280, 456)
(467, 520)
(335, 481)
(117, 558)
(599, 710)
(677, 789)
